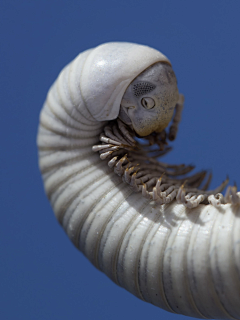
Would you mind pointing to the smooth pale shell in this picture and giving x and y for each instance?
(108, 70)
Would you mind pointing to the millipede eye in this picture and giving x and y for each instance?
(148, 103)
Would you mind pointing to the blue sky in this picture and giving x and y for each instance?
(42, 275)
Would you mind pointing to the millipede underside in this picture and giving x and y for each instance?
(138, 166)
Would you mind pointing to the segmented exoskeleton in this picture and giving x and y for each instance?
(138, 220)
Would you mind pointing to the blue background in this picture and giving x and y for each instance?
(42, 275)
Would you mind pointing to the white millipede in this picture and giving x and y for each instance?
(150, 228)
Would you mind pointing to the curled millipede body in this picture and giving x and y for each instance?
(153, 228)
